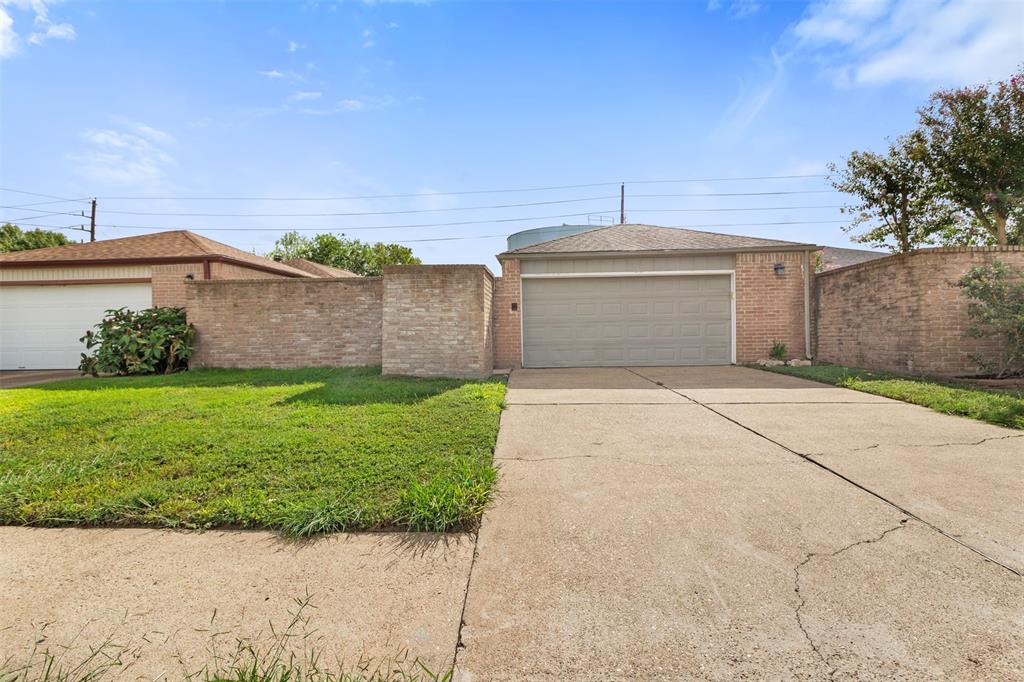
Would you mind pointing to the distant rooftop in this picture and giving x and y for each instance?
(833, 257)
(651, 238)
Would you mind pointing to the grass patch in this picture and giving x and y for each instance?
(1001, 407)
(301, 451)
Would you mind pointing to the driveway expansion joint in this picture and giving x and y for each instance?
(849, 480)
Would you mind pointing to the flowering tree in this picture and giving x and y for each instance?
(975, 152)
(896, 195)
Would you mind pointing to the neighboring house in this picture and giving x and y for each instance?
(319, 269)
(833, 257)
(645, 295)
(50, 297)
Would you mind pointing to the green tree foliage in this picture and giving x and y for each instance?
(997, 310)
(13, 238)
(975, 152)
(151, 341)
(338, 251)
(896, 195)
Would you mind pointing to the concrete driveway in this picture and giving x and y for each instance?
(725, 523)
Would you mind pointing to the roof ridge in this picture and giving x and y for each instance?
(720, 234)
(194, 238)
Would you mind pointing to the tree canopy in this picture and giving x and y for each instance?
(339, 251)
(975, 141)
(897, 196)
(13, 238)
(956, 180)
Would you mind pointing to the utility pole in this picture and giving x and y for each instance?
(622, 204)
(92, 222)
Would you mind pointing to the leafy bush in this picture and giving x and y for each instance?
(151, 341)
(997, 310)
(778, 351)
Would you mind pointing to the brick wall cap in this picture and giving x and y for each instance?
(409, 269)
(934, 251)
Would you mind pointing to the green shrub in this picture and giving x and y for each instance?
(997, 310)
(150, 341)
(778, 351)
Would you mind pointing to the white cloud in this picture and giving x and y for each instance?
(64, 31)
(8, 36)
(368, 40)
(43, 28)
(753, 98)
(935, 42)
(132, 155)
(738, 9)
(290, 76)
(351, 105)
(294, 46)
(391, 25)
(369, 43)
(304, 96)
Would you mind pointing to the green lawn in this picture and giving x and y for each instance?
(1002, 407)
(301, 451)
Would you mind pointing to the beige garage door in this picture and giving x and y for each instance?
(612, 321)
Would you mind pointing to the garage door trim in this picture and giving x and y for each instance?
(640, 273)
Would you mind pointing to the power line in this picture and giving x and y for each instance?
(735, 194)
(362, 213)
(37, 194)
(730, 210)
(463, 192)
(477, 222)
(365, 227)
(36, 217)
(44, 203)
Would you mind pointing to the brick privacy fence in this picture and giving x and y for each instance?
(769, 307)
(424, 320)
(437, 320)
(903, 313)
(285, 323)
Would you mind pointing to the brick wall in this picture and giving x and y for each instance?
(903, 313)
(170, 286)
(286, 322)
(507, 324)
(437, 320)
(769, 307)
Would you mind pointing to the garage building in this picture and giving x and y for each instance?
(50, 297)
(647, 295)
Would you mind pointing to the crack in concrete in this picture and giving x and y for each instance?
(929, 445)
(810, 458)
(803, 601)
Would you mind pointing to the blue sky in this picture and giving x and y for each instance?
(310, 100)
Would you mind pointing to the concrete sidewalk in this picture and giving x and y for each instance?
(169, 602)
(652, 533)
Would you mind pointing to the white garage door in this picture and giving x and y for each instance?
(614, 321)
(40, 326)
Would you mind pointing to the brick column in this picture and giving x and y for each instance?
(507, 322)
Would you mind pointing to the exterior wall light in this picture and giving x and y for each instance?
(189, 277)
(780, 268)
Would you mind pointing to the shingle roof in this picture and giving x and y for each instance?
(833, 257)
(653, 238)
(162, 245)
(319, 269)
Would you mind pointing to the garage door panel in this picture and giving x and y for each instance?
(603, 321)
(40, 326)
